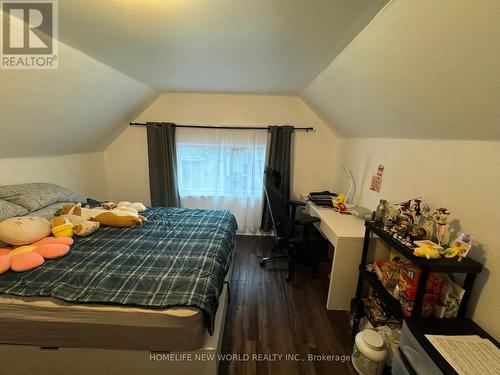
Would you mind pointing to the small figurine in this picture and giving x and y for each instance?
(341, 207)
(339, 204)
(417, 232)
(405, 212)
(427, 252)
(440, 217)
(451, 252)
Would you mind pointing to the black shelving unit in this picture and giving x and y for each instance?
(467, 266)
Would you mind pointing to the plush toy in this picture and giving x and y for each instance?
(451, 252)
(61, 227)
(113, 218)
(338, 201)
(28, 257)
(86, 227)
(23, 230)
(339, 204)
(427, 252)
(67, 225)
(138, 206)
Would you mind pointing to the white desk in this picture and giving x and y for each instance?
(345, 233)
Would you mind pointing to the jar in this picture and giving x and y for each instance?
(381, 213)
(369, 352)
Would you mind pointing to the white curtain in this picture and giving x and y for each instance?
(223, 169)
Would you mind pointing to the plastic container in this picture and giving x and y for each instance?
(369, 352)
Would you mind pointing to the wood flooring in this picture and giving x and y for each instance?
(268, 317)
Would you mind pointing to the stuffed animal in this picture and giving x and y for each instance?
(451, 252)
(138, 206)
(124, 206)
(61, 227)
(339, 204)
(427, 252)
(339, 200)
(113, 218)
(28, 257)
(67, 225)
(23, 230)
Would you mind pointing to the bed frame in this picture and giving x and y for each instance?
(28, 359)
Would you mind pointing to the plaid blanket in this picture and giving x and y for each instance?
(179, 257)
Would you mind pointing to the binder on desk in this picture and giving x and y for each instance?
(322, 198)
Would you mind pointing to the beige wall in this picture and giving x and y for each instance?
(313, 160)
(82, 173)
(463, 176)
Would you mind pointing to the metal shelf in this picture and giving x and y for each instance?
(445, 265)
(467, 266)
(389, 301)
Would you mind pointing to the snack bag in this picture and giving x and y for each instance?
(408, 284)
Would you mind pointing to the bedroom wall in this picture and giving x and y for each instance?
(462, 176)
(313, 159)
(82, 173)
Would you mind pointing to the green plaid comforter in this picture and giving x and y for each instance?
(179, 257)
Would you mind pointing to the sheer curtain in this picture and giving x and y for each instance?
(223, 169)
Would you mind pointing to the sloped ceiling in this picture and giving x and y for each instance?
(258, 46)
(420, 69)
(80, 107)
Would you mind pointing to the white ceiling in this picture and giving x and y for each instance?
(259, 46)
(420, 69)
(426, 69)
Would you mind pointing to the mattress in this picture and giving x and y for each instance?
(179, 257)
(50, 322)
(51, 309)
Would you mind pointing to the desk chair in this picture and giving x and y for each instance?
(293, 235)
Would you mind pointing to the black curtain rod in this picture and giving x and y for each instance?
(141, 124)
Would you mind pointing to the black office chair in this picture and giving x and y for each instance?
(293, 235)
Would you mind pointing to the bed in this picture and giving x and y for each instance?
(157, 288)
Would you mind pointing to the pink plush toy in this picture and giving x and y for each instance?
(28, 257)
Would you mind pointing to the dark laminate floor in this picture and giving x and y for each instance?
(267, 315)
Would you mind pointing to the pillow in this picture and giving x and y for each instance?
(8, 210)
(24, 230)
(36, 195)
(50, 211)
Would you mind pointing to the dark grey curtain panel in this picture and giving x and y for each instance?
(162, 165)
(278, 158)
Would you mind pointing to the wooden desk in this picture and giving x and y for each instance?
(345, 233)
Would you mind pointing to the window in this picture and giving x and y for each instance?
(220, 170)
(223, 169)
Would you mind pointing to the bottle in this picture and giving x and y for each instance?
(369, 352)
(381, 213)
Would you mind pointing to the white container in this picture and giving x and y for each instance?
(368, 356)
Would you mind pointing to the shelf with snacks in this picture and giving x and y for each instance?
(392, 304)
(445, 265)
(427, 273)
